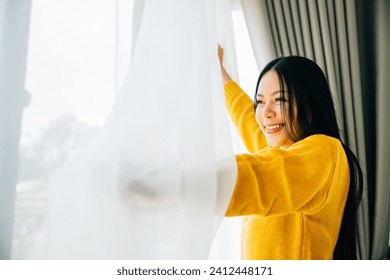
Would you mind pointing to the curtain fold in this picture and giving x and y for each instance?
(336, 34)
(14, 23)
(381, 217)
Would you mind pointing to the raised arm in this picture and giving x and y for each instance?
(241, 110)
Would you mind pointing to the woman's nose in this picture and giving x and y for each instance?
(268, 111)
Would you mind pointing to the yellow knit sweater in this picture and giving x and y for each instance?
(292, 199)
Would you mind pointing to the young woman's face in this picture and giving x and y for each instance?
(269, 111)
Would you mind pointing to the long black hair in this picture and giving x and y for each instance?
(311, 106)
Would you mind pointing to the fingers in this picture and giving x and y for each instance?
(220, 54)
(225, 75)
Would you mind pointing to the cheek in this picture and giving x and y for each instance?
(284, 115)
(278, 112)
(258, 117)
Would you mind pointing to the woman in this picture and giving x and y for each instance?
(300, 186)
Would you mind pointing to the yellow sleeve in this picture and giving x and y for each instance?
(242, 113)
(276, 181)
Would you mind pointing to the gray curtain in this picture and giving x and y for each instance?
(340, 35)
(381, 215)
(14, 27)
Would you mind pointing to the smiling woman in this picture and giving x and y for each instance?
(270, 102)
(300, 187)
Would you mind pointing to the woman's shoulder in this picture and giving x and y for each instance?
(319, 139)
(322, 144)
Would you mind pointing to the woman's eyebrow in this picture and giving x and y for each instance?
(272, 94)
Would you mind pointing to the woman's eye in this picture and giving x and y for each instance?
(259, 102)
(280, 100)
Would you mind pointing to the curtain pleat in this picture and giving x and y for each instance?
(274, 27)
(288, 26)
(343, 65)
(14, 30)
(325, 40)
(327, 32)
(329, 58)
(334, 72)
(356, 94)
(381, 219)
(297, 26)
(316, 34)
(282, 27)
(306, 29)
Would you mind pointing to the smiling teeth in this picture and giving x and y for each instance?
(271, 127)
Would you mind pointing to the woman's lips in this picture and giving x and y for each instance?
(274, 128)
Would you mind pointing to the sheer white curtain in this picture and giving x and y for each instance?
(155, 180)
(70, 76)
(14, 21)
(227, 244)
